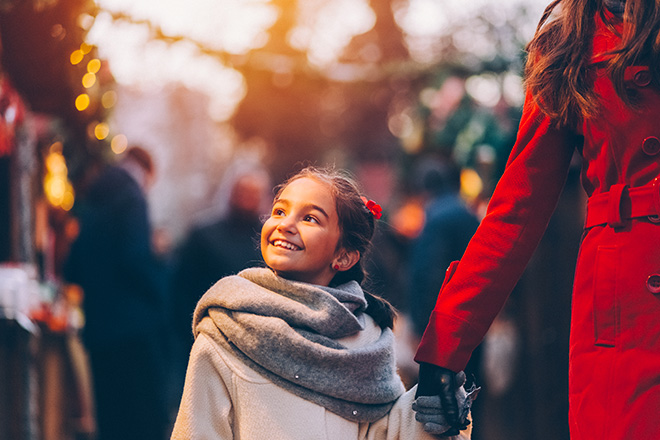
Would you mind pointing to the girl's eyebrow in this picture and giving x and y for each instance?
(305, 205)
(318, 208)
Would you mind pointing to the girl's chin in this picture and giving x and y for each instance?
(279, 270)
(316, 279)
(286, 275)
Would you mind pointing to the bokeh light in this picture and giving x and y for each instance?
(86, 48)
(109, 99)
(471, 184)
(325, 31)
(88, 80)
(101, 131)
(119, 144)
(94, 65)
(76, 57)
(85, 21)
(57, 188)
(82, 102)
(484, 88)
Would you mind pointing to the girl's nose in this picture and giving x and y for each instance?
(287, 224)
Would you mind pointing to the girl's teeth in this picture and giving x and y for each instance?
(285, 245)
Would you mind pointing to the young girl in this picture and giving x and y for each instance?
(593, 85)
(297, 350)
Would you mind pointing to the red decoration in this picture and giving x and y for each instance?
(373, 207)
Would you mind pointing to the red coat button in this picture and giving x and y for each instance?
(651, 145)
(642, 78)
(653, 284)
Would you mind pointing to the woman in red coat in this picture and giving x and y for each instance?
(593, 83)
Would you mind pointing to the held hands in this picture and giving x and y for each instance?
(441, 403)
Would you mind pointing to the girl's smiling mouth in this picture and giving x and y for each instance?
(286, 245)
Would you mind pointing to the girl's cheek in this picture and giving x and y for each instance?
(265, 228)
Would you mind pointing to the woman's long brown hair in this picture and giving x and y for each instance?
(559, 55)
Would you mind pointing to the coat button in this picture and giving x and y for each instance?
(653, 284)
(642, 78)
(651, 145)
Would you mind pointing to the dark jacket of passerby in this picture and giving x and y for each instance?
(124, 287)
(211, 252)
(112, 260)
(448, 227)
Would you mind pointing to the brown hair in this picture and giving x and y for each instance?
(357, 226)
(558, 55)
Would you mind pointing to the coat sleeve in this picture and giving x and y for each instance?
(400, 423)
(206, 410)
(517, 216)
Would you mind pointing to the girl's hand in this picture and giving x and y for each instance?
(442, 405)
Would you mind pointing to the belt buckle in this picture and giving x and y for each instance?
(656, 201)
(614, 218)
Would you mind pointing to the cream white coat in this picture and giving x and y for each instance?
(225, 399)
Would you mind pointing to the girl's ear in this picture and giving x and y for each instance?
(345, 260)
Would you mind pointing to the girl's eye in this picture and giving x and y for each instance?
(311, 218)
(278, 211)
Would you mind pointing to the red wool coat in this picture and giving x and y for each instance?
(614, 373)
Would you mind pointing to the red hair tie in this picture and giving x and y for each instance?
(373, 207)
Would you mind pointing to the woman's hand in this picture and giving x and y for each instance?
(441, 403)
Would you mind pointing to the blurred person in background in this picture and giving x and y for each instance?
(124, 287)
(223, 243)
(593, 87)
(449, 224)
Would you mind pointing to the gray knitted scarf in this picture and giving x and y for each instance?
(287, 331)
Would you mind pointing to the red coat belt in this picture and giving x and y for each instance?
(622, 203)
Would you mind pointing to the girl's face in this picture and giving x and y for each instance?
(299, 239)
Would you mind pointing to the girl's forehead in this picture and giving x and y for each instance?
(308, 185)
(308, 189)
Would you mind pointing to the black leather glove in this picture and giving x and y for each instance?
(441, 382)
